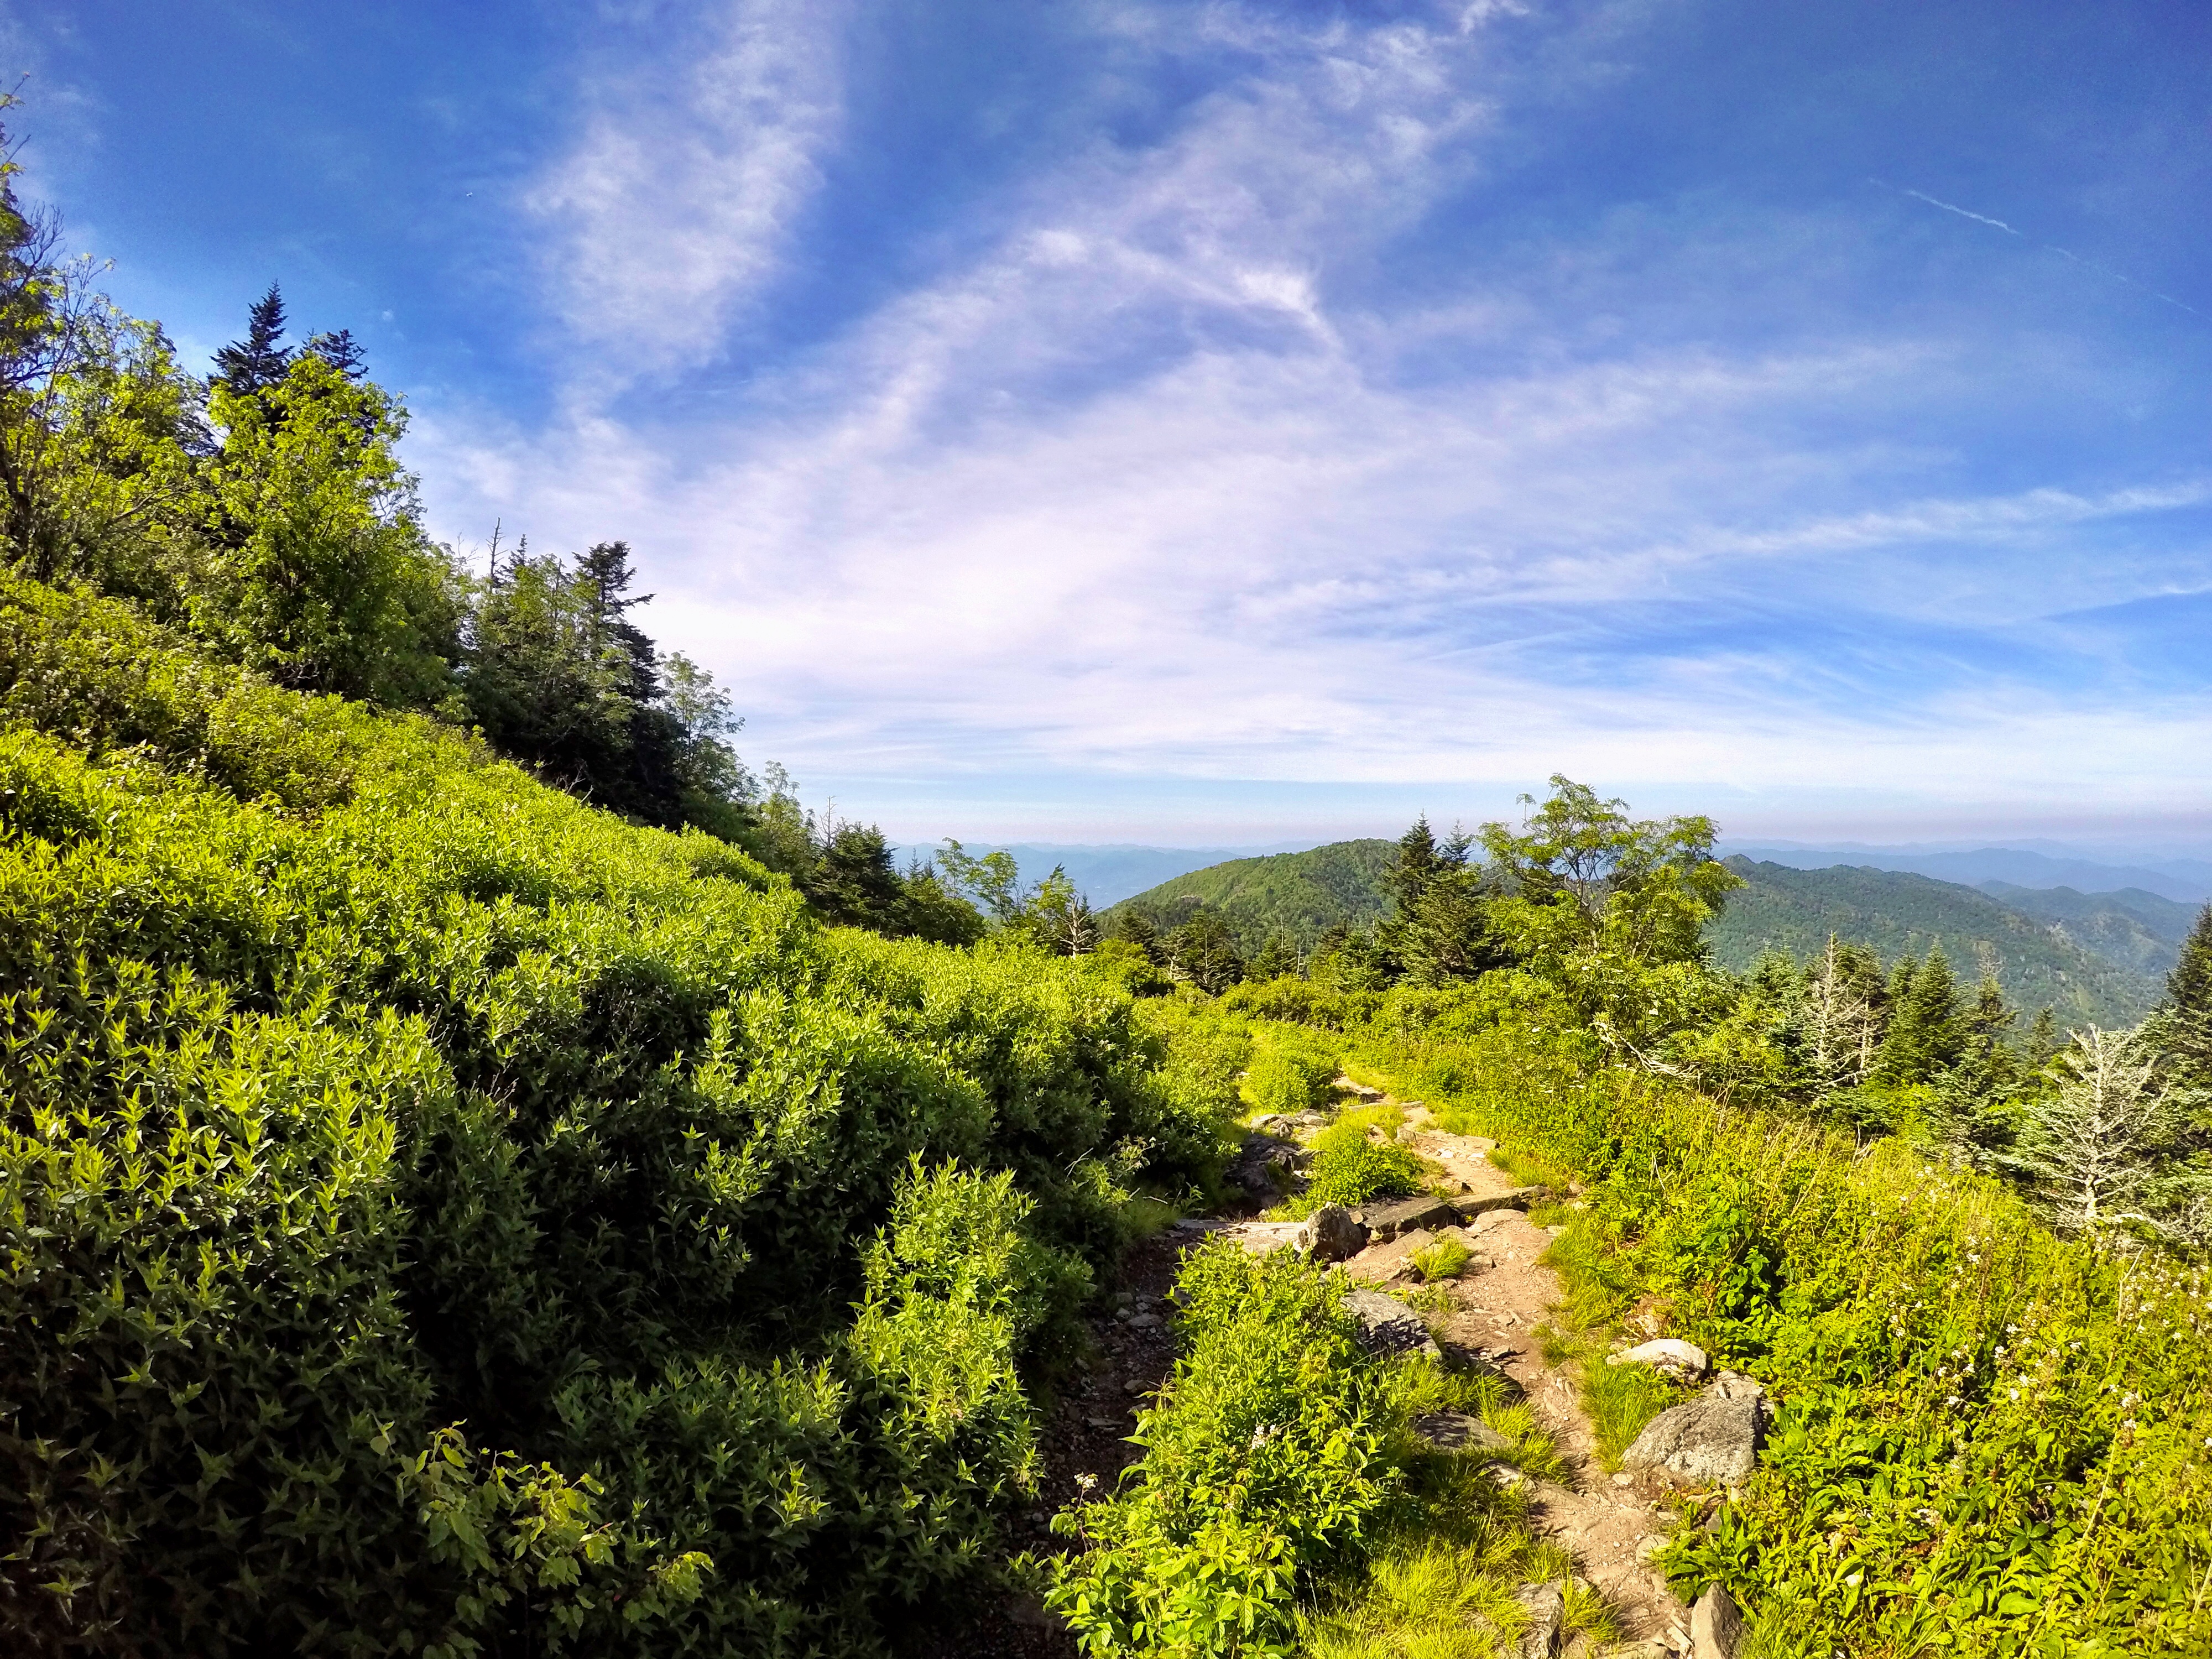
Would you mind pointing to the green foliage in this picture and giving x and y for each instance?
(1269, 1455)
(1439, 928)
(1349, 1168)
(359, 1086)
(1292, 1070)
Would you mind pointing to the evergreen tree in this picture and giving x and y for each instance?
(1438, 930)
(2184, 1026)
(854, 881)
(258, 361)
(1203, 951)
(341, 351)
(1926, 1032)
(1137, 929)
(1276, 959)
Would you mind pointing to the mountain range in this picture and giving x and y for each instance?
(2096, 957)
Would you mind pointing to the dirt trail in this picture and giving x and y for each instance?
(1610, 1528)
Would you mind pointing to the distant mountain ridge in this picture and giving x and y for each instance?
(1897, 912)
(2187, 881)
(2090, 957)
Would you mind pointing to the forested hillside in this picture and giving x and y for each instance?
(2129, 928)
(1894, 914)
(1302, 894)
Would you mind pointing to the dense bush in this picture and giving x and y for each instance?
(1292, 1070)
(359, 1087)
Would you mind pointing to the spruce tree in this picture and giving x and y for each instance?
(2184, 1025)
(1925, 1033)
(258, 361)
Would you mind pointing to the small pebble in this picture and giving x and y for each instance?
(1623, 1480)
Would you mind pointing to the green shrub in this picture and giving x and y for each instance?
(1447, 1258)
(1270, 1454)
(1349, 1169)
(436, 1211)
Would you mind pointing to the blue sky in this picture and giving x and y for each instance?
(1203, 422)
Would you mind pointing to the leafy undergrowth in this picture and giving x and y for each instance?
(438, 1215)
(1988, 1440)
(1283, 1504)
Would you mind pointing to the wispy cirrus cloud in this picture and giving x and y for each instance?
(677, 199)
(1178, 471)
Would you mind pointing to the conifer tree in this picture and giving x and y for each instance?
(258, 361)
(1925, 1032)
(1276, 957)
(2184, 1025)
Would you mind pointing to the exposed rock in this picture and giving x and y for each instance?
(1714, 1440)
(1261, 1236)
(1519, 1198)
(1505, 1475)
(1392, 1216)
(1735, 1385)
(1684, 1362)
(1457, 1431)
(1386, 1324)
(1265, 1166)
(1540, 1637)
(1332, 1234)
(1716, 1626)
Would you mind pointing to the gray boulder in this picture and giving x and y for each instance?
(1388, 1219)
(1684, 1362)
(1386, 1324)
(1332, 1234)
(1712, 1441)
(1547, 1608)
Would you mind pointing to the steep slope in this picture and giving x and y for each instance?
(2131, 929)
(1796, 910)
(1305, 893)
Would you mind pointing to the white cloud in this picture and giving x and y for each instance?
(676, 201)
(1147, 489)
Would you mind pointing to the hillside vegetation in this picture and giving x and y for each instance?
(2129, 927)
(1302, 894)
(1895, 914)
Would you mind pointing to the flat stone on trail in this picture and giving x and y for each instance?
(1458, 1432)
(1714, 1440)
(1386, 1324)
(1261, 1236)
(1684, 1362)
(1393, 1216)
(1482, 1203)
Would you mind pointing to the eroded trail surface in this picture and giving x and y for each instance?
(1610, 1528)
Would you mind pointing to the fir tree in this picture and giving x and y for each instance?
(2184, 1025)
(1925, 1032)
(341, 351)
(1276, 959)
(258, 361)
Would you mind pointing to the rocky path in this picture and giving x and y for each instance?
(1610, 1528)
(1498, 1305)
